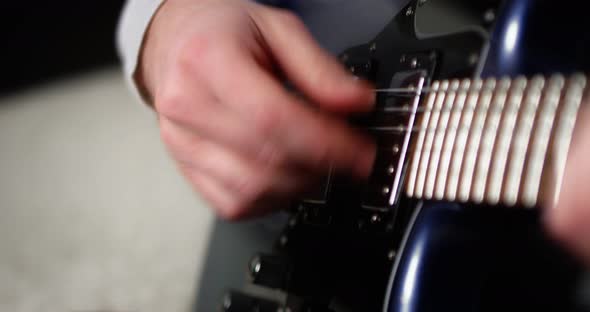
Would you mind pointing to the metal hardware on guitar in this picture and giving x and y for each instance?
(239, 302)
(270, 271)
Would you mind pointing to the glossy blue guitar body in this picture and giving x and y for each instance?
(369, 247)
(459, 258)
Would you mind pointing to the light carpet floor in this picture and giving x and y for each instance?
(93, 215)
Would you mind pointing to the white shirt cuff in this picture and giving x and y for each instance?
(135, 19)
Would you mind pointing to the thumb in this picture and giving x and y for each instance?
(569, 220)
(315, 73)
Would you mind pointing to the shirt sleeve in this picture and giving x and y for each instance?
(134, 21)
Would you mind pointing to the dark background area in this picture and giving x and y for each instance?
(45, 40)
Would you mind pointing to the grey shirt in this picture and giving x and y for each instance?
(339, 24)
(336, 24)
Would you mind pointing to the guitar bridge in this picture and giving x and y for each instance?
(392, 125)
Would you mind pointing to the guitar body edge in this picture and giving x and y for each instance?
(458, 256)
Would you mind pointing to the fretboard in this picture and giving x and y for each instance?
(494, 141)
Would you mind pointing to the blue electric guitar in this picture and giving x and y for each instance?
(477, 107)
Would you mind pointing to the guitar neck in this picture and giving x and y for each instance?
(494, 141)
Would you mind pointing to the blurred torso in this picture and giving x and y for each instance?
(339, 24)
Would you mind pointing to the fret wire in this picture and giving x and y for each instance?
(415, 130)
(521, 141)
(415, 165)
(448, 100)
(414, 92)
(426, 90)
(473, 141)
(429, 138)
(424, 110)
(488, 140)
(511, 109)
(402, 129)
(443, 183)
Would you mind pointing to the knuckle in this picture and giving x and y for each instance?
(250, 191)
(290, 19)
(196, 51)
(232, 212)
(320, 157)
(563, 235)
(267, 119)
(323, 75)
(238, 209)
(270, 156)
(171, 105)
(167, 134)
(563, 228)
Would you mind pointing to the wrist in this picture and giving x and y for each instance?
(143, 75)
(163, 25)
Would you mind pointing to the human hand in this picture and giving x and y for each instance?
(569, 220)
(214, 70)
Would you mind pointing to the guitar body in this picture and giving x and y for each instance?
(473, 259)
(354, 247)
(462, 258)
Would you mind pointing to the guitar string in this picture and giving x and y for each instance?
(414, 92)
(411, 93)
(444, 148)
(406, 111)
(403, 129)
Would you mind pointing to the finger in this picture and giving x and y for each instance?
(187, 100)
(569, 220)
(304, 136)
(223, 201)
(247, 181)
(313, 71)
(212, 191)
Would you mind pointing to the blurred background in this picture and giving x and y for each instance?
(93, 216)
(43, 40)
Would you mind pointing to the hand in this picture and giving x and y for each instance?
(569, 220)
(214, 70)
